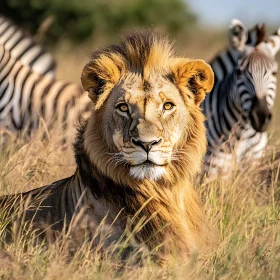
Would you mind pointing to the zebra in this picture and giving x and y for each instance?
(29, 91)
(15, 45)
(28, 97)
(238, 109)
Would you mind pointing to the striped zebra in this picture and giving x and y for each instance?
(28, 90)
(16, 45)
(238, 109)
(27, 97)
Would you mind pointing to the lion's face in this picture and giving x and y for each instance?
(147, 122)
(146, 110)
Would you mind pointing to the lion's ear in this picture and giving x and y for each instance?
(99, 76)
(92, 82)
(196, 75)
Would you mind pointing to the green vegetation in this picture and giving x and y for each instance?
(77, 20)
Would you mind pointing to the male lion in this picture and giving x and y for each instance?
(138, 152)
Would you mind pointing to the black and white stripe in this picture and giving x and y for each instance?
(28, 90)
(26, 97)
(16, 44)
(238, 109)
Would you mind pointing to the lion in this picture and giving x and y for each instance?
(138, 152)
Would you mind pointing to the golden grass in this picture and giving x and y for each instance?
(244, 209)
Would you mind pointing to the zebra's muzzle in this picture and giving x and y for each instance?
(260, 116)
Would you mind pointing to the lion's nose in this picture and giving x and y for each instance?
(146, 146)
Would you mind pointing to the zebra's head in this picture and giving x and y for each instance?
(255, 73)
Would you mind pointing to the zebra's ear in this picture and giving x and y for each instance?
(237, 35)
(256, 35)
(273, 42)
(196, 75)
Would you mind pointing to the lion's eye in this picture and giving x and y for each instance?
(122, 107)
(168, 106)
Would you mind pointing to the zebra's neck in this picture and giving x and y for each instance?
(224, 115)
(229, 133)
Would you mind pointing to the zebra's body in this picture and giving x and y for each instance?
(28, 90)
(244, 92)
(26, 97)
(16, 45)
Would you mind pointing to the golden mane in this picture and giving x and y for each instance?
(140, 52)
(168, 208)
(170, 200)
(172, 204)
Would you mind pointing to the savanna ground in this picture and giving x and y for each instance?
(244, 209)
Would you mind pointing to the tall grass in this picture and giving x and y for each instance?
(243, 209)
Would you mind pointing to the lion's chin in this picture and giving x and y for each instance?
(151, 172)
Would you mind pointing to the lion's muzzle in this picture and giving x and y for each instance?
(146, 146)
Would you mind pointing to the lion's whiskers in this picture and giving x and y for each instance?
(178, 155)
(117, 159)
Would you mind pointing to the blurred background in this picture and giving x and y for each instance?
(72, 29)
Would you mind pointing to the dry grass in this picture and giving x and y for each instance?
(244, 209)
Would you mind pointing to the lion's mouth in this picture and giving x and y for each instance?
(147, 169)
(148, 163)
